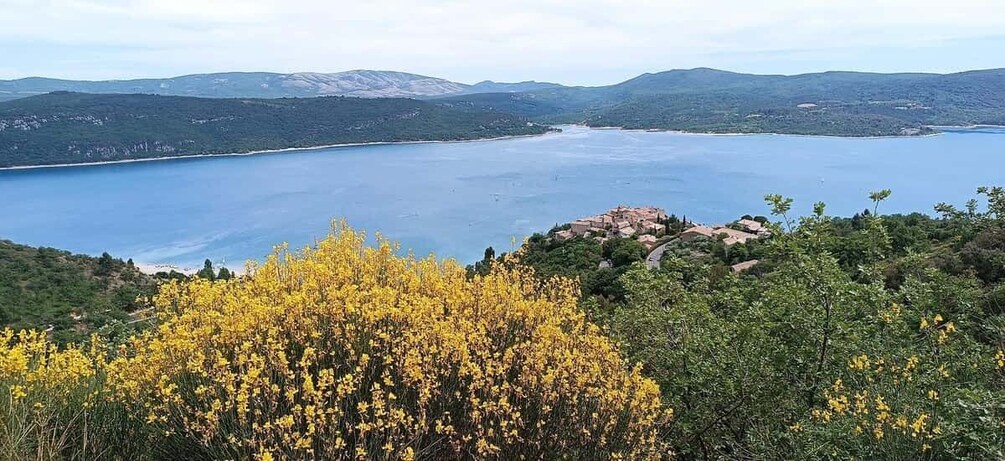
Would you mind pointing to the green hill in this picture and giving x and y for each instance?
(67, 294)
(708, 100)
(59, 128)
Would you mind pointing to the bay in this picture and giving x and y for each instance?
(455, 199)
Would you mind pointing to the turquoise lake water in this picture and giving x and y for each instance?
(455, 199)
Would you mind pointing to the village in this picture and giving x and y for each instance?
(652, 227)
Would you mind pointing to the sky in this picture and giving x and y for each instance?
(580, 42)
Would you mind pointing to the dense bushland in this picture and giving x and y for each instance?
(69, 295)
(338, 352)
(870, 337)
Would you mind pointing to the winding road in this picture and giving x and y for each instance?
(653, 260)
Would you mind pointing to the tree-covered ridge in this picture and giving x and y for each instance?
(708, 100)
(72, 296)
(60, 128)
(68, 295)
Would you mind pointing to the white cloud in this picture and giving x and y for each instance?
(585, 41)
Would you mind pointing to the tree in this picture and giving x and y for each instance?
(624, 251)
(224, 274)
(207, 271)
(106, 265)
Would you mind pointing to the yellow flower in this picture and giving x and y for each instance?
(356, 345)
(943, 372)
(859, 362)
(918, 426)
(17, 392)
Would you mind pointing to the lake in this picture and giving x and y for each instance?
(455, 199)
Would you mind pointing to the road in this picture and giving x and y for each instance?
(653, 260)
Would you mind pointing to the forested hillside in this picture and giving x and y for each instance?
(708, 100)
(68, 295)
(62, 128)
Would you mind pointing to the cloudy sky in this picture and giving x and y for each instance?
(587, 42)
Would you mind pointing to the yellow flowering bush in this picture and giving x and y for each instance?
(892, 402)
(345, 351)
(29, 362)
(46, 395)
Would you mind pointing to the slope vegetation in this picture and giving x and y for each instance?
(69, 295)
(63, 128)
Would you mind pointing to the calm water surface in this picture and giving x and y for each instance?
(456, 199)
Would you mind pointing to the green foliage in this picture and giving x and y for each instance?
(207, 271)
(570, 258)
(73, 295)
(851, 339)
(623, 251)
(598, 267)
(986, 254)
(64, 127)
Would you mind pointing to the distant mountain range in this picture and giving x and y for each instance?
(238, 112)
(358, 83)
(709, 100)
(65, 128)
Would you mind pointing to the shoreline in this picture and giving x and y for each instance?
(829, 136)
(271, 151)
(967, 127)
(498, 138)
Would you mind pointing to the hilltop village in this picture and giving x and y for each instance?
(646, 224)
(654, 229)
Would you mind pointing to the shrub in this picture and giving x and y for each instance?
(347, 351)
(54, 405)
